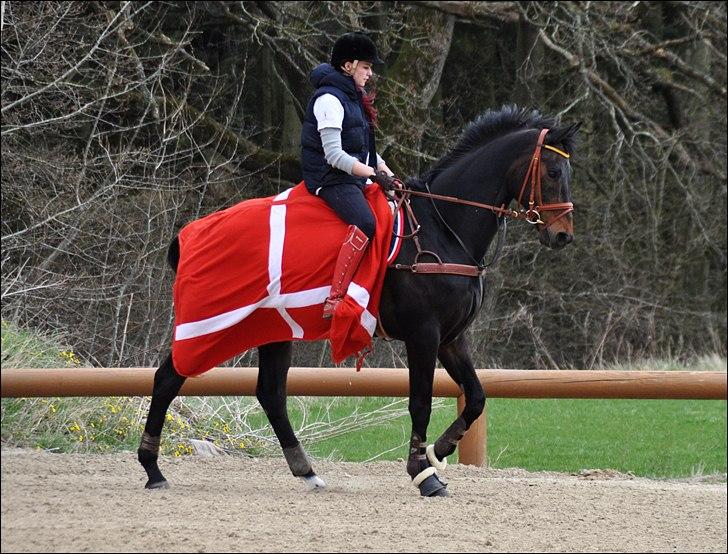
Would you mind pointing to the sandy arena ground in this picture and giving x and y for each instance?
(97, 503)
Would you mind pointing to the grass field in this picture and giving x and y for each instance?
(655, 438)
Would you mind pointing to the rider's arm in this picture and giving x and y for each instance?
(330, 115)
(334, 153)
(382, 166)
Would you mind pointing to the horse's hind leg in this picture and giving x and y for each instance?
(274, 360)
(456, 360)
(167, 383)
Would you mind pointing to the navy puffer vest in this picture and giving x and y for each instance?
(355, 137)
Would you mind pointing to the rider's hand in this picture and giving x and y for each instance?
(386, 181)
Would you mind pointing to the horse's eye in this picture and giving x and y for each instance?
(554, 173)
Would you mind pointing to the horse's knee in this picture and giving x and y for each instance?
(474, 407)
(270, 402)
(420, 411)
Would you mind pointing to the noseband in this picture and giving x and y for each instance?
(532, 214)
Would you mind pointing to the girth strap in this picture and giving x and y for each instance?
(451, 269)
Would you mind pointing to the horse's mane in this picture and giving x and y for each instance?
(487, 127)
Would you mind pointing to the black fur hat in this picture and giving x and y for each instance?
(354, 46)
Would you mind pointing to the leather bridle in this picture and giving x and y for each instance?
(532, 214)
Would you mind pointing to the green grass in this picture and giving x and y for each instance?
(654, 438)
(356, 429)
(24, 348)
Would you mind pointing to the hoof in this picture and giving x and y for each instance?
(442, 493)
(314, 483)
(432, 487)
(163, 484)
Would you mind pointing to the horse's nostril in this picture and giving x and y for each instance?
(562, 239)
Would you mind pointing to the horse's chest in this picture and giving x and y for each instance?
(463, 312)
(450, 302)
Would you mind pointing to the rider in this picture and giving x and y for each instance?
(338, 152)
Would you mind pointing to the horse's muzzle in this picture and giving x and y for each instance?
(555, 239)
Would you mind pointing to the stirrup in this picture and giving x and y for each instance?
(330, 306)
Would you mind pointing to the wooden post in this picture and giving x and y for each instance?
(473, 447)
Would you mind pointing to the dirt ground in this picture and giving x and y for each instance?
(97, 503)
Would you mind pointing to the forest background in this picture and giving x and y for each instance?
(123, 121)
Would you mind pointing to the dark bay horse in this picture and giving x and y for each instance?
(505, 155)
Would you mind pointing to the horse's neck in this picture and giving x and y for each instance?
(475, 227)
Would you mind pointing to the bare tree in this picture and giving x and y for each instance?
(122, 121)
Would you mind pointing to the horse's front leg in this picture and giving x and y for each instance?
(274, 362)
(455, 357)
(421, 356)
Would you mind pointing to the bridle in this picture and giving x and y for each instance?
(531, 215)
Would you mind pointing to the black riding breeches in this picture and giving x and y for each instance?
(350, 205)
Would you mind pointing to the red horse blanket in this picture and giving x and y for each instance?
(259, 272)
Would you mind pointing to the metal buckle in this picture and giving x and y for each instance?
(531, 213)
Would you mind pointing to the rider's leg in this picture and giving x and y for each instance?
(349, 204)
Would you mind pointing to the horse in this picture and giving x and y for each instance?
(458, 205)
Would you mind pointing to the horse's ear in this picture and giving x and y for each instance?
(573, 129)
(565, 136)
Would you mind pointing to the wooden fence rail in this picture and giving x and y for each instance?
(498, 383)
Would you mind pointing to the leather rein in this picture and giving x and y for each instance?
(531, 215)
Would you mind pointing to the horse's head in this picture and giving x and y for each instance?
(511, 153)
(544, 190)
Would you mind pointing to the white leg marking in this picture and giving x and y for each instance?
(314, 483)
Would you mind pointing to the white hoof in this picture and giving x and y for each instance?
(314, 483)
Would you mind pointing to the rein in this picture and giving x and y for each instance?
(530, 215)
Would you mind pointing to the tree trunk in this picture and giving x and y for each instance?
(415, 78)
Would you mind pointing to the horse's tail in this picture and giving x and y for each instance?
(173, 253)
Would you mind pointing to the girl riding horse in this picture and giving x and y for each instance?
(338, 151)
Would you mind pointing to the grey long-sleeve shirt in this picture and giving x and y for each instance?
(330, 115)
